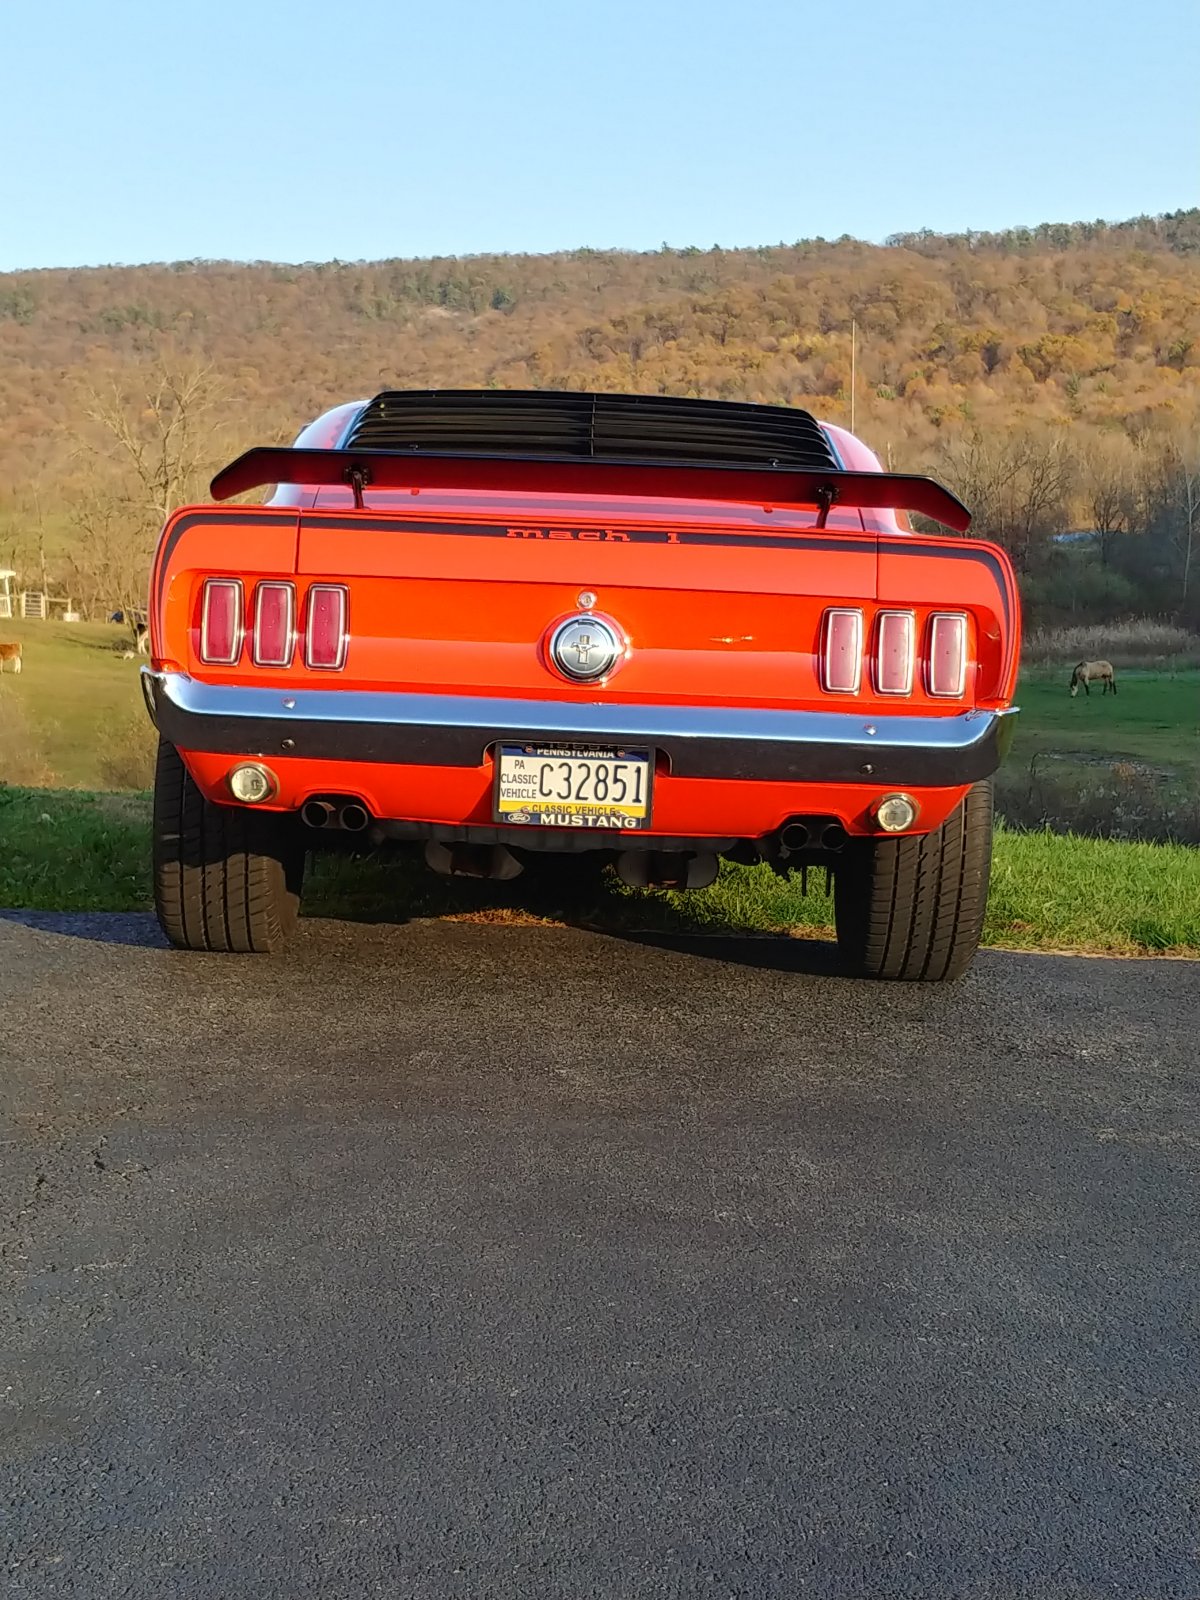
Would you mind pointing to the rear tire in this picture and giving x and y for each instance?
(225, 877)
(913, 908)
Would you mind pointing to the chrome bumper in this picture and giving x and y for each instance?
(450, 730)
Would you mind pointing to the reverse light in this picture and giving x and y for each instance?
(894, 652)
(325, 633)
(222, 609)
(251, 783)
(896, 812)
(841, 654)
(947, 655)
(273, 639)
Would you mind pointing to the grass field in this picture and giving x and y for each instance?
(1124, 767)
(67, 718)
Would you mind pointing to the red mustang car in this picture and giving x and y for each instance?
(512, 626)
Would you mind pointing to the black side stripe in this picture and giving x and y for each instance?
(246, 516)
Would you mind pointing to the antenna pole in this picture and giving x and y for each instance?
(853, 368)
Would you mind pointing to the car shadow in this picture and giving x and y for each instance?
(816, 958)
(393, 893)
(137, 930)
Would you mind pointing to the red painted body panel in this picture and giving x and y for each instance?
(458, 796)
(452, 592)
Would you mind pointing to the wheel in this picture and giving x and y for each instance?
(913, 908)
(225, 877)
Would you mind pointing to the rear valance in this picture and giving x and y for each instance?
(360, 470)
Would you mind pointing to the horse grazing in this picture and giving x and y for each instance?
(1093, 672)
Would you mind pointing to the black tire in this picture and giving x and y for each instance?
(225, 877)
(913, 908)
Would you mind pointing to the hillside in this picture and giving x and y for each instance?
(1077, 345)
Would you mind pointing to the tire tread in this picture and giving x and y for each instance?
(912, 909)
(225, 878)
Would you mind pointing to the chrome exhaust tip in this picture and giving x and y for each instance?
(317, 814)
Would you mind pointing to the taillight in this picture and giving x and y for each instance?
(947, 656)
(325, 633)
(221, 621)
(274, 637)
(841, 656)
(894, 651)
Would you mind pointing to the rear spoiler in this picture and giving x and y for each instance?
(781, 486)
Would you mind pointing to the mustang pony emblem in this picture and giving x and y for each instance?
(585, 648)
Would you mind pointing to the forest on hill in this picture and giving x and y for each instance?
(1050, 375)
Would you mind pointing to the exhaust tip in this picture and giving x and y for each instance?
(316, 813)
(353, 817)
(794, 835)
(834, 836)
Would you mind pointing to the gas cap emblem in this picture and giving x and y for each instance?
(584, 648)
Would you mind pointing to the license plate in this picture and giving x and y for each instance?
(565, 786)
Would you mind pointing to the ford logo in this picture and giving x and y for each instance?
(584, 648)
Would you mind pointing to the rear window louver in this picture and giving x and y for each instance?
(597, 427)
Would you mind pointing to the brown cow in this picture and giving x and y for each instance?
(10, 652)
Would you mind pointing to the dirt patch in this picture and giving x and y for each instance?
(1121, 766)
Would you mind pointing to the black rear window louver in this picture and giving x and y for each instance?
(597, 427)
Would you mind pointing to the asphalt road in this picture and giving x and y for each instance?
(450, 1260)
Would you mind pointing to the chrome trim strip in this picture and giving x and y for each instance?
(698, 741)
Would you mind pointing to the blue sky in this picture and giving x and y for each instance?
(358, 128)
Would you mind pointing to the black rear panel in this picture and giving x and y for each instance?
(598, 427)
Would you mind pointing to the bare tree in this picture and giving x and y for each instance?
(107, 564)
(1109, 473)
(1186, 475)
(149, 449)
(1016, 485)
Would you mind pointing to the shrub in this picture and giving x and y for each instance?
(1101, 800)
(1136, 642)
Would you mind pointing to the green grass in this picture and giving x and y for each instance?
(1154, 718)
(76, 700)
(75, 851)
(1124, 765)
(62, 851)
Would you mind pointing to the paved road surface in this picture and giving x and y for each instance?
(448, 1260)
